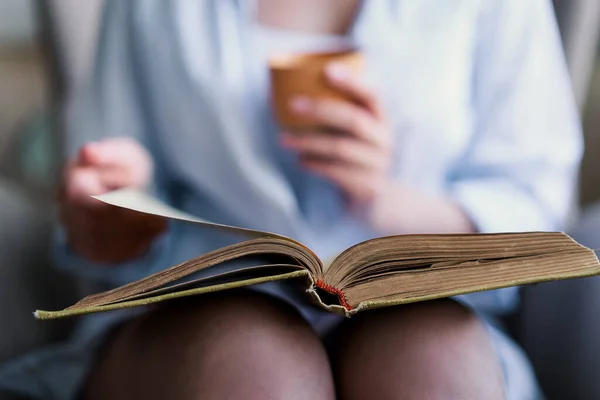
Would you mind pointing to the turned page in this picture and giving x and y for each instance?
(137, 200)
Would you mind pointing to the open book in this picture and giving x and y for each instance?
(377, 273)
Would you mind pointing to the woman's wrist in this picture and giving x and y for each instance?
(398, 209)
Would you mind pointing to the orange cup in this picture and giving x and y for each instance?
(303, 75)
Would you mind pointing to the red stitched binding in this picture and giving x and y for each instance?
(337, 292)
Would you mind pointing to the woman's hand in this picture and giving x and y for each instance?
(354, 152)
(355, 146)
(98, 231)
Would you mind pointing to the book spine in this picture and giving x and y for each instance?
(334, 291)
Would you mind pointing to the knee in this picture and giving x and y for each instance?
(435, 325)
(245, 326)
(428, 350)
(232, 318)
(237, 345)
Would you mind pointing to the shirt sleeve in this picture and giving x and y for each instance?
(108, 104)
(521, 168)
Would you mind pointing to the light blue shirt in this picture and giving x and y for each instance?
(477, 95)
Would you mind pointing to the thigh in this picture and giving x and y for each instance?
(234, 345)
(431, 350)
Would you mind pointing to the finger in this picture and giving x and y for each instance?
(341, 77)
(361, 188)
(343, 116)
(118, 154)
(112, 151)
(336, 148)
(113, 178)
(81, 183)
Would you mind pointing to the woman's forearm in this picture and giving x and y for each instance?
(399, 210)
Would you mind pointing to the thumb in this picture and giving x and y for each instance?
(83, 182)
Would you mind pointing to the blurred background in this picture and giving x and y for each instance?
(45, 51)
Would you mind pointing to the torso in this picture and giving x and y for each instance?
(210, 97)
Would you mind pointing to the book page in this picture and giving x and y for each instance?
(406, 268)
(328, 261)
(141, 201)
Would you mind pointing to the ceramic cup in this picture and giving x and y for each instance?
(303, 75)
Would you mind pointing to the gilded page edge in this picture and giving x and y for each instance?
(368, 305)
